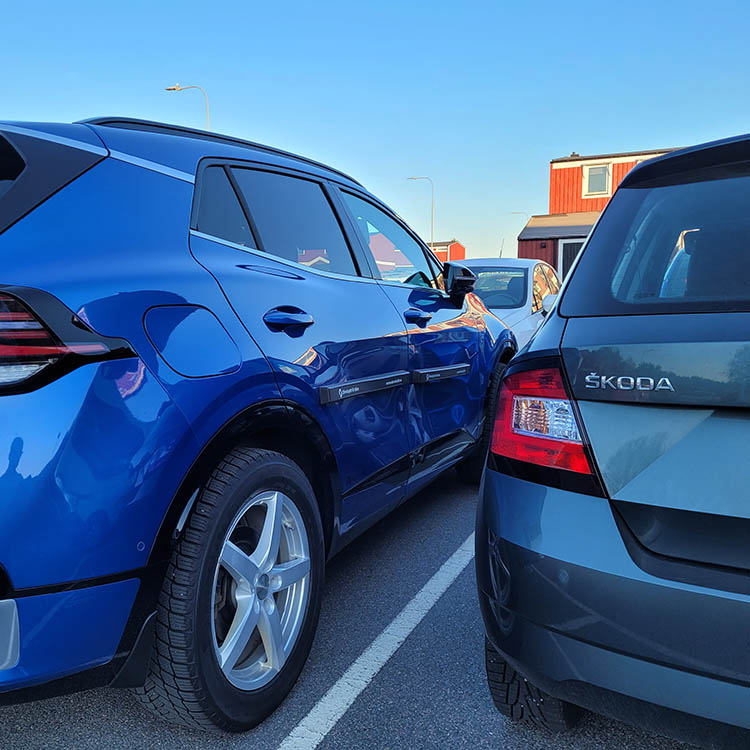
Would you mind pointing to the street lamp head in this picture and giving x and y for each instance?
(176, 87)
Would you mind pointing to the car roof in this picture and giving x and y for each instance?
(502, 262)
(704, 155)
(132, 131)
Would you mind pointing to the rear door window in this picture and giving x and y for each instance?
(219, 211)
(294, 220)
(678, 245)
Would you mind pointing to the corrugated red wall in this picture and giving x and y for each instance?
(455, 251)
(534, 249)
(566, 188)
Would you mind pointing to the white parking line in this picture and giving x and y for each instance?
(324, 715)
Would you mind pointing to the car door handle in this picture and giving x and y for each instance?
(420, 317)
(285, 317)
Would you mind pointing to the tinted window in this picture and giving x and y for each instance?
(295, 221)
(11, 165)
(671, 246)
(219, 211)
(503, 288)
(398, 256)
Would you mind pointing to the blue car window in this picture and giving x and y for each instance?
(11, 165)
(398, 256)
(295, 221)
(219, 211)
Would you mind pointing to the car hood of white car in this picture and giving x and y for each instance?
(511, 317)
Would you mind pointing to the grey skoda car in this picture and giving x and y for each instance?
(613, 534)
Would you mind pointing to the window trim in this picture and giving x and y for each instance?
(432, 260)
(585, 193)
(360, 267)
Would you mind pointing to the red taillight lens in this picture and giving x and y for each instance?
(536, 423)
(27, 346)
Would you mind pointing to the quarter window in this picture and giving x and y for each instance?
(398, 256)
(219, 211)
(294, 220)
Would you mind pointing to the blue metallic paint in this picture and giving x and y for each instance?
(96, 615)
(192, 341)
(90, 464)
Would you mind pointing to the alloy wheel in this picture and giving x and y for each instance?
(261, 590)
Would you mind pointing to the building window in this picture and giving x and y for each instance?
(596, 181)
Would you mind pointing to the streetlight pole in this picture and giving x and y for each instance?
(520, 213)
(432, 209)
(177, 87)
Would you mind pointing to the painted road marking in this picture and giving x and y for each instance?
(324, 715)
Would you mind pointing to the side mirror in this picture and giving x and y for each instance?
(459, 280)
(548, 303)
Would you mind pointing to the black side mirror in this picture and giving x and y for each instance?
(459, 280)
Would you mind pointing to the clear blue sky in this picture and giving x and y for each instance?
(477, 95)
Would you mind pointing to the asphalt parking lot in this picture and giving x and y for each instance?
(430, 694)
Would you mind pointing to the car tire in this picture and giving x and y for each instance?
(212, 595)
(516, 698)
(470, 469)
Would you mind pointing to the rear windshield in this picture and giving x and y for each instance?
(669, 246)
(11, 166)
(503, 288)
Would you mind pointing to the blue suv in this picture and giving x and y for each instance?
(613, 535)
(219, 363)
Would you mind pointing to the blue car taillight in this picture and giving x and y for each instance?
(27, 346)
(32, 352)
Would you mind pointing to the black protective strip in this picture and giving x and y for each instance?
(433, 374)
(332, 393)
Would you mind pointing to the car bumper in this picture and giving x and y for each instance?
(564, 602)
(49, 636)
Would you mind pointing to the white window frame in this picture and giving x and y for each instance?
(559, 264)
(584, 187)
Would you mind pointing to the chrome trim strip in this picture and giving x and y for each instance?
(283, 261)
(433, 374)
(153, 166)
(70, 142)
(331, 393)
(10, 638)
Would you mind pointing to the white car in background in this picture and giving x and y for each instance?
(520, 291)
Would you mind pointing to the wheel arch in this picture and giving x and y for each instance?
(277, 425)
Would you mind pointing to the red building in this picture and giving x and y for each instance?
(579, 188)
(450, 250)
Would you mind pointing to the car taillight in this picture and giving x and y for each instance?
(536, 422)
(28, 346)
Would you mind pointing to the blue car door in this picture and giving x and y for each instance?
(448, 382)
(274, 243)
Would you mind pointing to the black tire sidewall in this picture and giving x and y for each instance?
(240, 709)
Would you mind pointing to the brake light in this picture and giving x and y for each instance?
(536, 423)
(27, 346)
